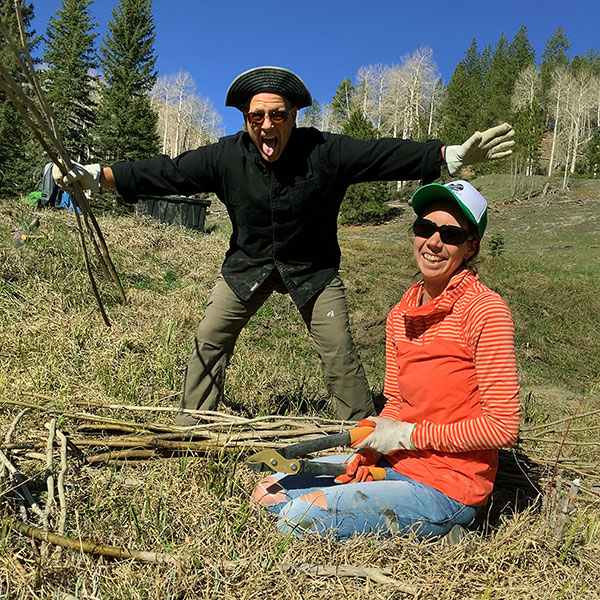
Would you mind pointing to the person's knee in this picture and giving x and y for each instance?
(268, 491)
(306, 513)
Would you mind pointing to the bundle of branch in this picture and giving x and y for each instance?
(26, 502)
(40, 118)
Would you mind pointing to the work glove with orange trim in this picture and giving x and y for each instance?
(388, 435)
(358, 467)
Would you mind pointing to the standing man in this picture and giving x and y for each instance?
(282, 187)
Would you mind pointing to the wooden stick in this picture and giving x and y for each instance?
(376, 574)
(209, 415)
(93, 418)
(60, 485)
(555, 441)
(564, 439)
(89, 547)
(30, 71)
(23, 104)
(21, 485)
(45, 131)
(13, 425)
(51, 426)
(121, 455)
(566, 505)
(101, 250)
(336, 426)
(564, 420)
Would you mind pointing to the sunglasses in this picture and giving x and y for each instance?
(449, 234)
(276, 116)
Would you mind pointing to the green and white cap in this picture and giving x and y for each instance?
(470, 201)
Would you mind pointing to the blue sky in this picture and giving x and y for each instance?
(326, 41)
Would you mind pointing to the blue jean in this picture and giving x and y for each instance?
(308, 503)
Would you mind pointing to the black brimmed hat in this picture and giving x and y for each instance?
(274, 80)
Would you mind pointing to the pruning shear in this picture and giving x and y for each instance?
(285, 460)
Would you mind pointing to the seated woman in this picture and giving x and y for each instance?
(452, 396)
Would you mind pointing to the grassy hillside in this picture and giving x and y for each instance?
(58, 360)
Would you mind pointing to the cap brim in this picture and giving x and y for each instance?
(431, 192)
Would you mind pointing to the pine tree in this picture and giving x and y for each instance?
(21, 158)
(554, 57)
(311, 116)
(461, 109)
(527, 120)
(528, 123)
(498, 85)
(69, 82)
(126, 122)
(364, 202)
(521, 54)
(341, 105)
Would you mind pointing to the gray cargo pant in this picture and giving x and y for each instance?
(326, 317)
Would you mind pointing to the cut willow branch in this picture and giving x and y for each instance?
(64, 444)
(21, 485)
(559, 421)
(42, 122)
(89, 547)
(49, 474)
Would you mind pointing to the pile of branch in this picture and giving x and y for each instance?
(97, 439)
(40, 118)
(14, 486)
(100, 440)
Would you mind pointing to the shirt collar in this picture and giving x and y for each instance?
(445, 301)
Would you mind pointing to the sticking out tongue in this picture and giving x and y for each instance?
(268, 146)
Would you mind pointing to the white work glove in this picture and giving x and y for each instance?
(389, 435)
(87, 175)
(492, 144)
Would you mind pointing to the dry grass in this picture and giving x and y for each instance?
(56, 352)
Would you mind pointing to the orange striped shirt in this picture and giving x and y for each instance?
(451, 368)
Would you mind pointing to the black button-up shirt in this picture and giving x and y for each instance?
(284, 214)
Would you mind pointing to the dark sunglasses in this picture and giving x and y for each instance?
(449, 234)
(276, 116)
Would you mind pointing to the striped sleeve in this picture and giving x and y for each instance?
(488, 329)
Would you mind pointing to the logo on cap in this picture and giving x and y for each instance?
(458, 187)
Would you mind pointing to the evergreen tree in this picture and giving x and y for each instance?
(521, 54)
(311, 116)
(461, 110)
(340, 105)
(127, 125)
(498, 85)
(69, 82)
(21, 158)
(527, 120)
(364, 202)
(528, 123)
(593, 59)
(554, 57)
